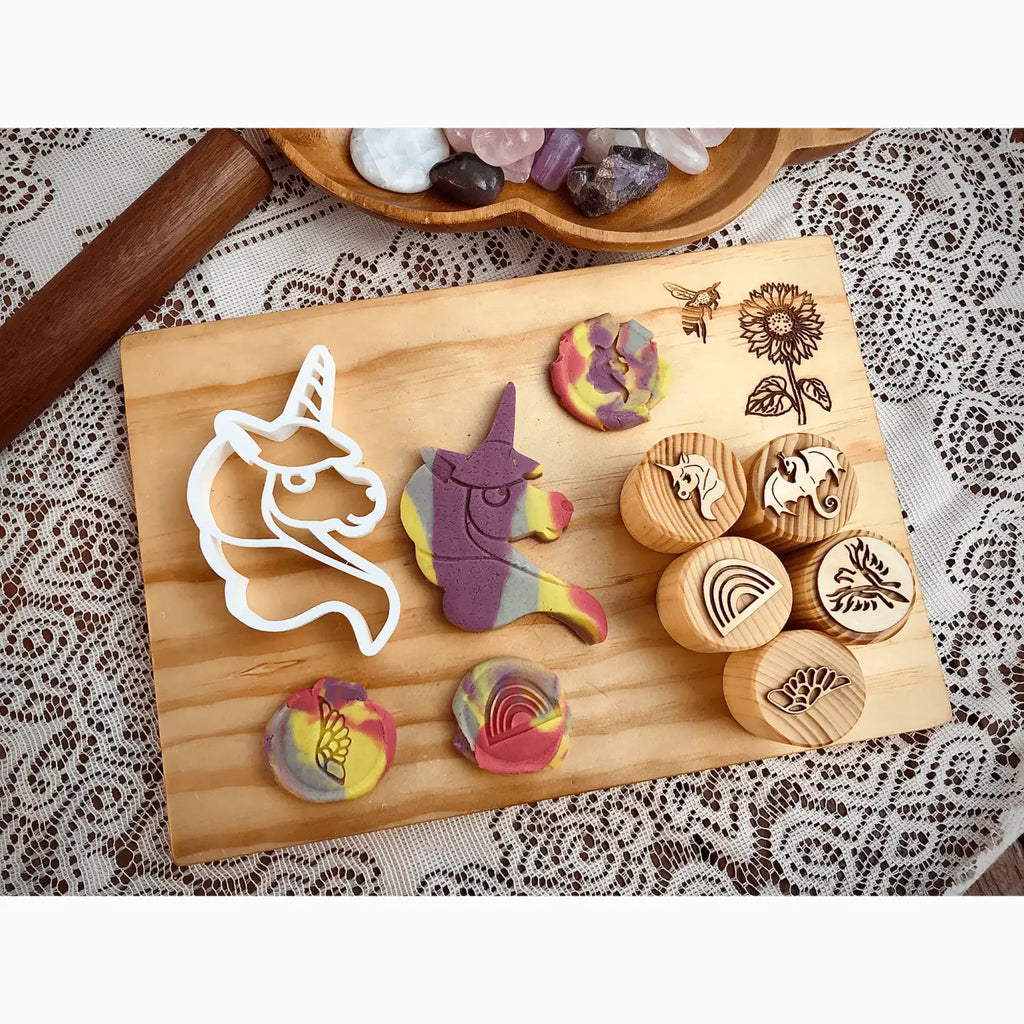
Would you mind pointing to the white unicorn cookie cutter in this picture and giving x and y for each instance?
(310, 406)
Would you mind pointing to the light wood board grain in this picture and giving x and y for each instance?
(427, 369)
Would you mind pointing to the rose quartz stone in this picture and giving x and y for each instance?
(460, 139)
(711, 137)
(519, 171)
(505, 146)
(679, 147)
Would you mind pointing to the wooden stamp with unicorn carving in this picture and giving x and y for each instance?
(687, 489)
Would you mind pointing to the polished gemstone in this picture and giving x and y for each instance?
(398, 159)
(556, 158)
(679, 147)
(503, 147)
(464, 178)
(711, 137)
(601, 140)
(625, 174)
(460, 139)
(519, 170)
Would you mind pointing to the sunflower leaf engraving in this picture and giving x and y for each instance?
(815, 390)
(769, 398)
(782, 323)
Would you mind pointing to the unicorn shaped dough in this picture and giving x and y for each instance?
(463, 512)
(310, 406)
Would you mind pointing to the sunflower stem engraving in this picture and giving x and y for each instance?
(801, 412)
(781, 322)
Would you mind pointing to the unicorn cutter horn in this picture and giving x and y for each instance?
(310, 407)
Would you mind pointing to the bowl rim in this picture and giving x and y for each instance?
(521, 211)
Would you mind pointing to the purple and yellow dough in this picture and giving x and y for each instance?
(512, 717)
(463, 512)
(599, 360)
(329, 742)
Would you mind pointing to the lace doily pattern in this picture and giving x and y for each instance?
(928, 229)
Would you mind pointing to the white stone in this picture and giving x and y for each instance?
(601, 140)
(711, 137)
(678, 147)
(398, 159)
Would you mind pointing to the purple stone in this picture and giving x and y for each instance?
(625, 174)
(556, 158)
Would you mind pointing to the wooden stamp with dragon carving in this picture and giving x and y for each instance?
(801, 489)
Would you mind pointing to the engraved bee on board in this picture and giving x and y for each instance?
(695, 305)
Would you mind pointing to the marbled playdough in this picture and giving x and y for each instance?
(329, 742)
(463, 512)
(512, 717)
(598, 361)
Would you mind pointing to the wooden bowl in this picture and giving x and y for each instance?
(685, 207)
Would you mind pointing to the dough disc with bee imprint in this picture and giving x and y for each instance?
(801, 488)
(687, 489)
(802, 688)
(856, 587)
(727, 595)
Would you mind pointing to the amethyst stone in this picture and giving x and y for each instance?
(625, 174)
(556, 158)
(466, 179)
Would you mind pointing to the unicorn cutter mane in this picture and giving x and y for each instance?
(310, 406)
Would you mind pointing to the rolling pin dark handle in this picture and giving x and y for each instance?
(129, 267)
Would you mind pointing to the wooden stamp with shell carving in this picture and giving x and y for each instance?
(730, 594)
(802, 688)
(801, 488)
(856, 587)
(687, 489)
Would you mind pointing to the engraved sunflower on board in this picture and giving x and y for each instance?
(781, 322)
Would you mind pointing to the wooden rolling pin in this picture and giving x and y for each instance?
(48, 342)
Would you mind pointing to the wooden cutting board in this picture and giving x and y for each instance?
(428, 369)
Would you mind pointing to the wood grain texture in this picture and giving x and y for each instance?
(685, 207)
(750, 676)
(427, 369)
(1006, 876)
(683, 610)
(804, 525)
(125, 270)
(809, 608)
(658, 518)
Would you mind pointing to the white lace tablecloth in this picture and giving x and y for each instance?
(928, 228)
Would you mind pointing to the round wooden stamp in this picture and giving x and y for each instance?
(801, 489)
(730, 594)
(856, 587)
(802, 688)
(687, 489)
